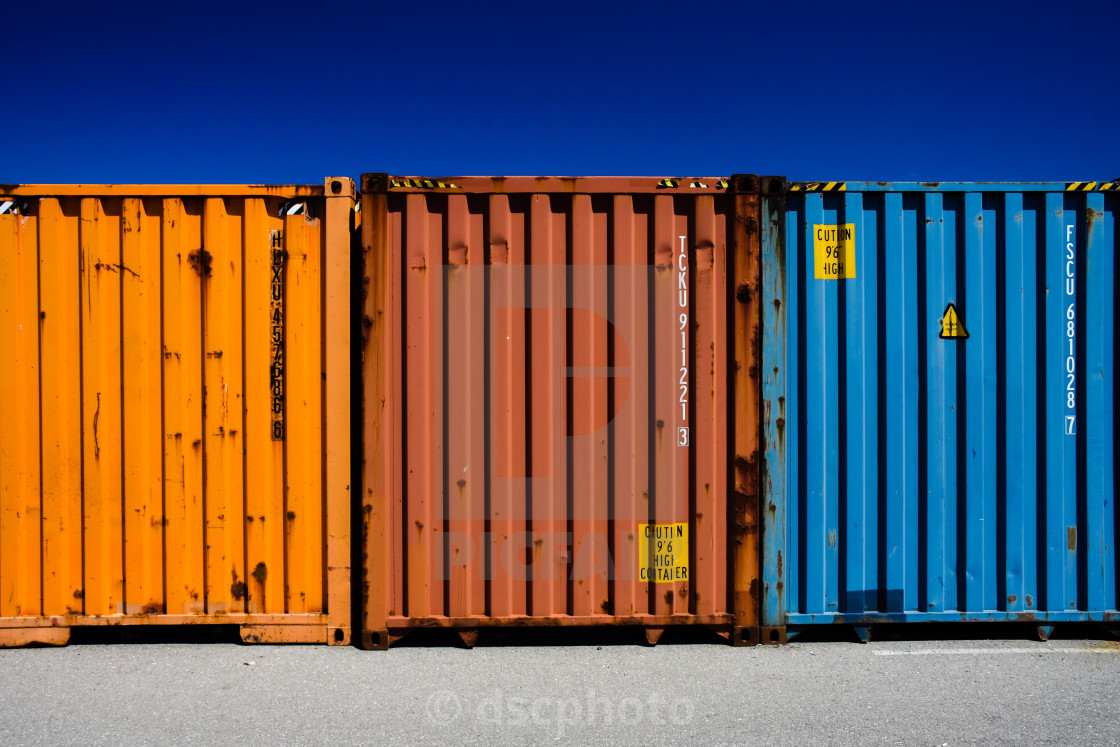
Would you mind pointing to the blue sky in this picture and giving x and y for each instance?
(292, 92)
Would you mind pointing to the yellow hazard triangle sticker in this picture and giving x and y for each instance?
(951, 327)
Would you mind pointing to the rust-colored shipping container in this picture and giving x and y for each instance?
(175, 416)
(560, 404)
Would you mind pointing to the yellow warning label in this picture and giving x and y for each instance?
(834, 251)
(951, 327)
(663, 552)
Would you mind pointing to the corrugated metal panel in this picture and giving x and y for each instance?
(151, 338)
(527, 381)
(916, 474)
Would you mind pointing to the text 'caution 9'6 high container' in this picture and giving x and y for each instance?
(175, 417)
(940, 391)
(561, 398)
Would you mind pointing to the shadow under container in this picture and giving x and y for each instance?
(175, 418)
(940, 399)
(560, 404)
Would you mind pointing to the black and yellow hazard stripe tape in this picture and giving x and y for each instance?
(1092, 186)
(674, 183)
(818, 187)
(422, 184)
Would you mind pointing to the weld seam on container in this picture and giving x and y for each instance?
(947, 445)
(144, 510)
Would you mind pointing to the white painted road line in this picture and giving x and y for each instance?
(996, 651)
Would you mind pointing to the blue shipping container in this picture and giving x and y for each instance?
(938, 386)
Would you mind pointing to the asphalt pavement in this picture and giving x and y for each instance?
(916, 692)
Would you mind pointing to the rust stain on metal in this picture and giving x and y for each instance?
(96, 413)
(238, 589)
(200, 260)
(1091, 217)
(113, 267)
(1071, 539)
(749, 223)
(756, 347)
(367, 325)
(745, 514)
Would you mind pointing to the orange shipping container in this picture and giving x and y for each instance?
(175, 422)
(560, 404)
